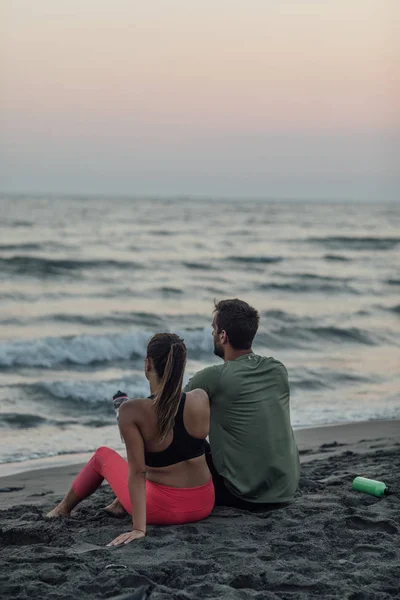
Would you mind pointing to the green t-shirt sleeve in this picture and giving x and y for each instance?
(207, 380)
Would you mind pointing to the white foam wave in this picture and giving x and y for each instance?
(93, 392)
(88, 349)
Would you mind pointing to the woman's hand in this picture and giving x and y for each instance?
(126, 538)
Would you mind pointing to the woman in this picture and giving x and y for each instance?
(166, 479)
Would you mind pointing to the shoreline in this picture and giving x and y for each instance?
(307, 438)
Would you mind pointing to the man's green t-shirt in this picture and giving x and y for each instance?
(252, 442)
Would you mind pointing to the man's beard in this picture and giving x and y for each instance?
(219, 351)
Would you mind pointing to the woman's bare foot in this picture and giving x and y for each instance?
(58, 511)
(66, 505)
(115, 509)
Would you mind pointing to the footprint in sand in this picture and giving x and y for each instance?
(25, 537)
(230, 550)
(328, 446)
(365, 524)
(368, 550)
(245, 581)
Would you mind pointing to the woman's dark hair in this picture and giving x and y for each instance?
(168, 353)
(239, 320)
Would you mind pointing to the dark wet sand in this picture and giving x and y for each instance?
(331, 543)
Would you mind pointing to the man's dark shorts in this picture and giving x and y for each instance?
(223, 497)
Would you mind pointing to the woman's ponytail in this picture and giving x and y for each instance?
(166, 402)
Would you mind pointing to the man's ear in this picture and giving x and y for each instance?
(224, 337)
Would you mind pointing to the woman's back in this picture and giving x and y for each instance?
(177, 460)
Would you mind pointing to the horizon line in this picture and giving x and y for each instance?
(189, 196)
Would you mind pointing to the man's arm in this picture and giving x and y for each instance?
(207, 380)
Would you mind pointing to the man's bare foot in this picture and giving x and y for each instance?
(58, 511)
(115, 509)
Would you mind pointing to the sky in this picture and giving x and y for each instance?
(231, 98)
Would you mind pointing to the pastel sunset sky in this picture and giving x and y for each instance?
(241, 98)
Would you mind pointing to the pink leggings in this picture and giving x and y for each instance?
(164, 505)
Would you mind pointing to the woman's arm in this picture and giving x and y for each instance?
(137, 473)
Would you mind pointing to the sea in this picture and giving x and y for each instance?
(85, 282)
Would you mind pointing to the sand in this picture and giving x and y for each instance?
(331, 543)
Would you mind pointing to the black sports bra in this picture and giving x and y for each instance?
(183, 445)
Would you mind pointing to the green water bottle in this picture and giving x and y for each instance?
(370, 486)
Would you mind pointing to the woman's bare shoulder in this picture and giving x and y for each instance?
(134, 407)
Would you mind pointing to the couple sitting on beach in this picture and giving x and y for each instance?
(173, 475)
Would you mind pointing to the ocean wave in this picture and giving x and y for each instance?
(258, 260)
(94, 396)
(21, 457)
(169, 291)
(72, 401)
(90, 349)
(280, 315)
(308, 379)
(313, 277)
(20, 420)
(29, 421)
(115, 318)
(395, 309)
(198, 265)
(314, 284)
(36, 266)
(306, 336)
(335, 334)
(356, 242)
(43, 245)
(337, 257)
(19, 247)
(115, 291)
(393, 281)
(162, 232)
(20, 223)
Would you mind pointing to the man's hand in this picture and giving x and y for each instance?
(119, 398)
(126, 538)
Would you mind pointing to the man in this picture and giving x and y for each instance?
(254, 458)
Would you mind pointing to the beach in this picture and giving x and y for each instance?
(331, 543)
(86, 283)
(199, 195)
